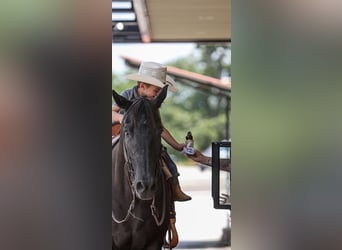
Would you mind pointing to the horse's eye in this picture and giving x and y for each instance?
(128, 132)
(127, 135)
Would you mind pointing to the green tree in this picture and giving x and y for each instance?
(204, 113)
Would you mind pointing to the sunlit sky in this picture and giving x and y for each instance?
(157, 52)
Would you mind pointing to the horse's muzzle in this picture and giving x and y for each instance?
(145, 190)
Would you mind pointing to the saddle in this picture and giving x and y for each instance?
(116, 128)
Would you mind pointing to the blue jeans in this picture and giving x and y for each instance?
(170, 163)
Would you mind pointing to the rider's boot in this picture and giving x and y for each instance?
(178, 194)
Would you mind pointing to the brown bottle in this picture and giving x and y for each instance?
(189, 141)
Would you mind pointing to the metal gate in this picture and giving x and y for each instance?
(221, 180)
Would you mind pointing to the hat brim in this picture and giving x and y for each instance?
(171, 83)
(154, 81)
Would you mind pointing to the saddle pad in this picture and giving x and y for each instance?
(115, 140)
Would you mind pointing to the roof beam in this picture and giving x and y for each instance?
(143, 20)
(204, 81)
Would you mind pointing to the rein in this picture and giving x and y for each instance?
(130, 172)
(131, 206)
(154, 209)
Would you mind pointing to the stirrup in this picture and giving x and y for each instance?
(174, 234)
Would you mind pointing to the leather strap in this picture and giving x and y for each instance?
(172, 231)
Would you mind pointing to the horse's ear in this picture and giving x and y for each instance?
(160, 97)
(121, 101)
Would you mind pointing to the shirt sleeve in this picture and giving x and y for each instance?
(129, 94)
(125, 94)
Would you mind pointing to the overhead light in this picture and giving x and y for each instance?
(121, 5)
(123, 16)
(119, 26)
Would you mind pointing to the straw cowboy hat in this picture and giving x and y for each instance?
(154, 74)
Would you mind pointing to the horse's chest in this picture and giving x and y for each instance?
(140, 238)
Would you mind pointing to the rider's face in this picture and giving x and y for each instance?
(148, 90)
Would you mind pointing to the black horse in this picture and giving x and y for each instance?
(140, 195)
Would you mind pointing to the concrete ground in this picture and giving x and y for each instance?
(198, 224)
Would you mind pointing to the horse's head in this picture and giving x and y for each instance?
(141, 134)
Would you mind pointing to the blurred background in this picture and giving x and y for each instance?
(202, 108)
(56, 65)
(196, 47)
(199, 106)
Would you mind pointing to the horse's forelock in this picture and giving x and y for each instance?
(142, 106)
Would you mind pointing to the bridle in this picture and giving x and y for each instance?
(129, 170)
